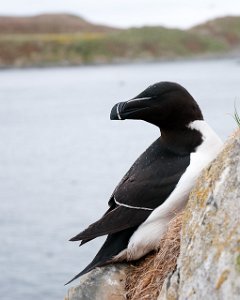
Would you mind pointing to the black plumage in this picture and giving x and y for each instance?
(155, 174)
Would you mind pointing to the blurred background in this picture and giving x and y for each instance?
(63, 65)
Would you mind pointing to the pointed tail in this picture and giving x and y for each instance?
(114, 244)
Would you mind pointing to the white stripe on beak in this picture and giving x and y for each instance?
(118, 114)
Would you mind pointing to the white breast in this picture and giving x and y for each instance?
(149, 233)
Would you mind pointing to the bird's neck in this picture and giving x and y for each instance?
(181, 141)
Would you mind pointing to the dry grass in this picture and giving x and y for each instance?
(145, 279)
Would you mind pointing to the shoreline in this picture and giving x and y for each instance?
(117, 62)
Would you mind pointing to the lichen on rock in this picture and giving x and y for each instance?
(208, 265)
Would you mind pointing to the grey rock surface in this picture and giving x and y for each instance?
(209, 263)
(106, 283)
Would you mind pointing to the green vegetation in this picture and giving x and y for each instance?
(237, 119)
(226, 29)
(83, 43)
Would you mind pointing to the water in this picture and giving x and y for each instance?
(61, 157)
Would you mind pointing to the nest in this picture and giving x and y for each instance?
(146, 277)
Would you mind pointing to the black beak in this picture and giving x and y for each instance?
(132, 109)
(117, 111)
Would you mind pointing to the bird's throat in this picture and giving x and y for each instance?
(181, 141)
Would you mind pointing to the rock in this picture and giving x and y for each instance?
(209, 263)
(106, 283)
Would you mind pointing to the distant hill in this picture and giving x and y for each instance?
(226, 29)
(49, 23)
(69, 40)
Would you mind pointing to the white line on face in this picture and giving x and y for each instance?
(139, 99)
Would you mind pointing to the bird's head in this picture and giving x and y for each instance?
(164, 104)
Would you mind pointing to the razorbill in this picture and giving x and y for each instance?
(158, 184)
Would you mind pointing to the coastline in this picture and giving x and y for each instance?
(234, 55)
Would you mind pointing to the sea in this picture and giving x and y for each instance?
(61, 157)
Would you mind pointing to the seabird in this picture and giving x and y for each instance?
(158, 184)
